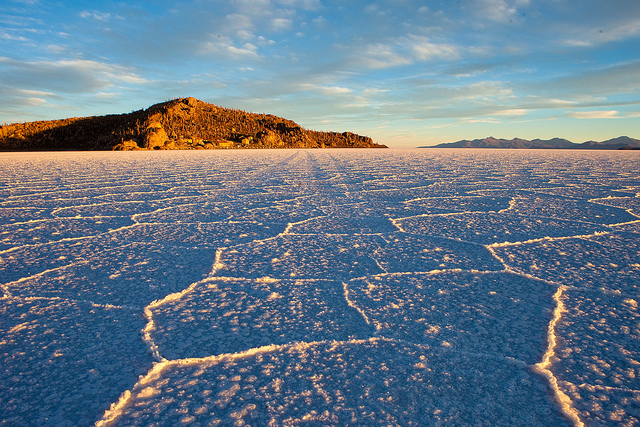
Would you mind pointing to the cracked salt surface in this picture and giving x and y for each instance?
(329, 287)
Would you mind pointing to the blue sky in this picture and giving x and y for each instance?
(404, 72)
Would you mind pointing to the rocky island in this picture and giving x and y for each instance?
(184, 124)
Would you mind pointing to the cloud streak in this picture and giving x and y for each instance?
(404, 51)
(68, 76)
(589, 115)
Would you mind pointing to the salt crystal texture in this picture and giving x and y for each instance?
(330, 287)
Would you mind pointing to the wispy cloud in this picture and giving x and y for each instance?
(222, 45)
(501, 11)
(99, 16)
(281, 24)
(238, 24)
(335, 90)
(405, 51)
(34, 92)
(512, 112)
(68, 76)
(33, 101)
(322, 89)
(383, 56)
(6, 36)
(594, 114)
(304, 4)
(481, 120)
(424, 49)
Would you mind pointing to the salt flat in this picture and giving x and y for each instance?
(320, 287)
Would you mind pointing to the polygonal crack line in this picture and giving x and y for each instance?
(176, 296)
(128, 397)
(542, 368)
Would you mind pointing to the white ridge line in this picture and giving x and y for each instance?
(548, 239)
(106, 306)
(42, 273)
(500, 259)
(419, 199)
(384, 270)
(212, 279)
(74, 239)
(36, 245)
(62, 218)
(125, 202)
(600, 201)
(512, 204)
(444, 271)
(291, 224)
(542, 368)
(31, 221)
(510, 270)
(620, 224)
(503, 211)
(394, 222)
(134, 219)
(345, 288)
(458, 213)
(124, 227)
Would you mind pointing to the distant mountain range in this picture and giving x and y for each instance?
(620, 143)
(179, 124)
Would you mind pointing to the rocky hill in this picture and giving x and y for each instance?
(185, 123)
(620, 143)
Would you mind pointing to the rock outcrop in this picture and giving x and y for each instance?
(184, 123)
(155, 136)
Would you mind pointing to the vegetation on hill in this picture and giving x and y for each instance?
(185, 123)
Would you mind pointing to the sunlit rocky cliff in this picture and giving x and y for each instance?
(185, 123)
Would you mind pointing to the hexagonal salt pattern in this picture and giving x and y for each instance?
(321, 287)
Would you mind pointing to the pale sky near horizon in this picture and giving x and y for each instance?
(404, 72)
